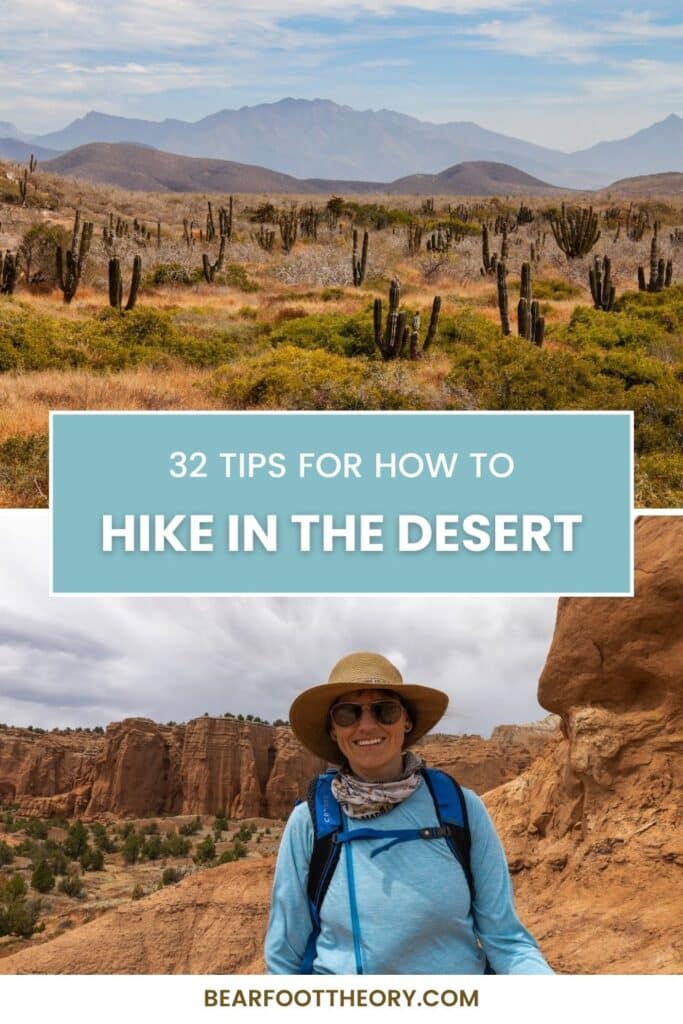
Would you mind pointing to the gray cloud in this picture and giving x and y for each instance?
(69, 661)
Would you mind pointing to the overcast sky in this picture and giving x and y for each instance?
(561, 74)
(91, 661)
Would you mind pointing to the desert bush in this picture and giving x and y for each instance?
(6, 855)
(18, 916)
(71, 885)
(170, 876)
(175, 845)
(173, 274)
(38, 253)
(36, 829)
(555, 288)
(131, 847)
(42, 879)
(343, 335)
(76, 842)
(190, 828)
(24, 470)
(92, 860)
(152, 847)
(138, 892)
(206, 851)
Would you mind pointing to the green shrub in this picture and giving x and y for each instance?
(170, 876)
(131, 847)
(42, 879)
(138, 892)
(190, 828)
(36, 829)
(71, 885)
(236, 276)
(206, 851)
(175, 845)
(6, 854)
(555, 288)
(334, 332)
(152, 847)
(24, 470)
(173, 274)
(92, 860)
(76, 842)
(38, 253)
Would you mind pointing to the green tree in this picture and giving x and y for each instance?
(42, 879)
(174, 845)
(92, 860)
(131, 847)
(76, 841)
(206, 851)
(6, 855)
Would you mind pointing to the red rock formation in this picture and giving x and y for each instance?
(138, 767)
(483, 764)
(592, 829)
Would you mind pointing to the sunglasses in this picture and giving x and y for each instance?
(385, 712)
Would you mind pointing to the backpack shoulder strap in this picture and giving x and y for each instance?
(326, 816)
(451, 810)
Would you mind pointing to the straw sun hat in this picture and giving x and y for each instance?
(308, 714)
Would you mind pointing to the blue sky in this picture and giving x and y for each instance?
(560, 74)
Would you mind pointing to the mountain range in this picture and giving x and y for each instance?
(140, 168)
(321, 139)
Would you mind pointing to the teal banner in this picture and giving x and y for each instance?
(332, 503)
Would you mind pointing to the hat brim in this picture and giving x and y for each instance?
(308, 715)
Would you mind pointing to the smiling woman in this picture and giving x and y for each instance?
(424, 887)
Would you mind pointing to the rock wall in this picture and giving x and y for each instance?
(139, 767)
(593, 828)
(246, 769)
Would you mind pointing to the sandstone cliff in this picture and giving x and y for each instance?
(247, 769)
(139, 767)
(593, 828)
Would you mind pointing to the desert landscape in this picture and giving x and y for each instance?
(135, 278)
(148, 848)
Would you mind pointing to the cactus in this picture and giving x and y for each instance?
(490, 263)
(525, 214)
(414, 238)
(9, 272)
(530, 323)
(32, 163)
(158, 234)
(210, 226)
(442, 239)
(501, 274)
(265, 238)
(309, 218)
(576, 230)
(536, 247)
(661, 271)
(70, 266)
(397, 340)
(602, 289)
(427, 206)
(359, 264)
(636, 223)
(116, 284)
(288, 224)
(23, 187)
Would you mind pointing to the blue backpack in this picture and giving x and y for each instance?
(331, 834)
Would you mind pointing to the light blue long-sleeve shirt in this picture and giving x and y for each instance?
(413, 902)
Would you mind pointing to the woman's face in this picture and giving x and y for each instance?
(373, 750)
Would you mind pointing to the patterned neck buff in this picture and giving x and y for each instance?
(361, 799)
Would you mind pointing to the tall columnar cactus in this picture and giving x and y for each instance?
(396, 340)
(70, 266)
(502, 288)
(265, 238)
(116, 284)
(661, 270)
(9, 272)
(288, 223)
(359, 263)
(525, 214)
(530, 323)
(489, 263)
(576, 230)
(225, 220)
(23, 187)
(32, 163)
(602, 289)
(414, 238)
(210, 232)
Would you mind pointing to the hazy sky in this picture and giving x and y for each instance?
(561, 74)
(91, 661)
